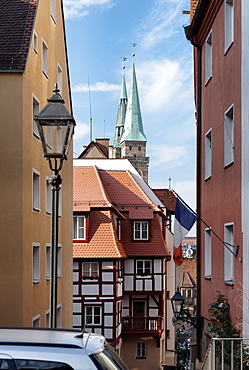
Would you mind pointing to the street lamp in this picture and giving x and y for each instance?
(56, 128)
(181, 313)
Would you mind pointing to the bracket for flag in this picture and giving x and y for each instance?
(232, 248)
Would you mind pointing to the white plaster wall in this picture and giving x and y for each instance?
(90, 289)
(77, 307)
(158, 284)
(108, 320)
(139, 285)
(107, 265)
(108, 333)
(148, 284)
(158, 266)
(75, 276)
(107, 289)
(108, 307)
(107, 276)
(129, 266)
(76, 320)
(128, 283)
(245, 160)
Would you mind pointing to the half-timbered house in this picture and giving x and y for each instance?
(120, 256)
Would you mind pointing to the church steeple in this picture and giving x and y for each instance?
(133, 141)
(133, 127)
(119, 129)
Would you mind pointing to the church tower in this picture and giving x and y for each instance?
(133, 140)
(119, 129)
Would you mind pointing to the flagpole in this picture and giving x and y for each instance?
(226, 244)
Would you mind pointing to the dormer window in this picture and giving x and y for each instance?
(80, 228)
(141, 230)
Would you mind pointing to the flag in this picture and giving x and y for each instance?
(184, 220)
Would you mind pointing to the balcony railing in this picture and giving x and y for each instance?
(149, 324)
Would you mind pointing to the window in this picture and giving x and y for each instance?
(36, 191)
(93, 315)
(229, 23)
(229, 137)
(143, 268)
(48, 261)
(209, 57)
(228, 255)
(59, 261)
(90, 270)
(117, 225)
(45, 58)
(36, 321)
(141, 350)
(36, 109)
(35, 42)
(53, 10)
(208, 154)
(141, 230)
(48, 196)
(79, 227)
(59, 78)
(36, 263)
(208, 253)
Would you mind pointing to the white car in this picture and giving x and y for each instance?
(56, 349)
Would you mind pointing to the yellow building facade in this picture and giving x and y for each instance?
(33, 59)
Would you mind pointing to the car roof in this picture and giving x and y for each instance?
(52, 338)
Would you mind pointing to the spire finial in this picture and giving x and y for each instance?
(133, 45)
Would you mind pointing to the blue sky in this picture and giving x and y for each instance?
(99, 33)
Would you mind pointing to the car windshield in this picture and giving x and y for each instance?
(108, 360)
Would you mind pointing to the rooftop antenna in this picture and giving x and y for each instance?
(169, 183)
(90, 107)
(104, 128)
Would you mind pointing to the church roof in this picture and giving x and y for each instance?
(121, 115)
(16, 27)
(133, 127)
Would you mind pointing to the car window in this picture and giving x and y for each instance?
(4, 364)
(40, 365)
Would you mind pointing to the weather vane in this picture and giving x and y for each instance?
(133, 45)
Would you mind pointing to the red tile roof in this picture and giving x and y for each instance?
(16, 26)
(167, 197)
(113, 190)
(103, 242)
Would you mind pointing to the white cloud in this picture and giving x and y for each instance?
(77, 8)
(98, 86)
(168, 156)
(161, 23)
(80, 133)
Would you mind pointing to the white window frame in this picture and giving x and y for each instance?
(35, 110)
(208, 154)
(141, 350)
(228, 255)
(48, 196)
(53, 10)
(208, 254)
(76, 228)
(90, 269)
(45, 58)
(48, 261)
(35, 42)
(36, 190)
(60, 78)
(59, 260)
(36, 321)
(143, 269)
(140, 230)
(93, 315)
(36, 263)
(208, 51)
(229, 24)
(229, 136)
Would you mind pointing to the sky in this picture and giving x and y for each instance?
(99, 34)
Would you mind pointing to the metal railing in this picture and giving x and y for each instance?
(227, 354)
(142, 323)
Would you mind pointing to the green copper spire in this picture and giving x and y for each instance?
(121, 115)
(133, 127)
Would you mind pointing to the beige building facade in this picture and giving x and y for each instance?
(32, 59)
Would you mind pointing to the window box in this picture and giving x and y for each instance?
(84, 277)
